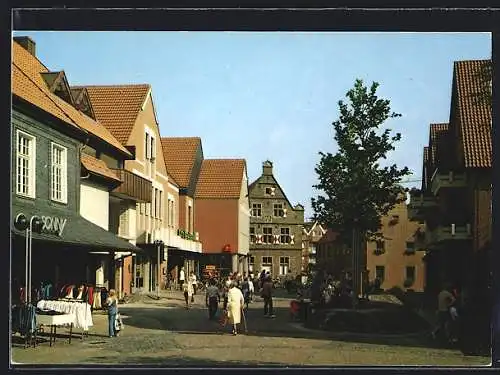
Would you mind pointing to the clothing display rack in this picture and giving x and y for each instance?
(24, 322)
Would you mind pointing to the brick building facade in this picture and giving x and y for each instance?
(275, 227)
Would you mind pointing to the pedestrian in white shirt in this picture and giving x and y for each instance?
(251, 288)
(182, 277)
(192, 281)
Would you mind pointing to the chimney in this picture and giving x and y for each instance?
(27, 43)
(267, 168)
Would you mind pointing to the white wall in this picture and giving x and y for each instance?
(244, 219)
(94, 203)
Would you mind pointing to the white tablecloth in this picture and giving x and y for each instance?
(55, 320)
(80, 310)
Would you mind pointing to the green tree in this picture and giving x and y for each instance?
(355, 190)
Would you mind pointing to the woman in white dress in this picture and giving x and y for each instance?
(235, 301)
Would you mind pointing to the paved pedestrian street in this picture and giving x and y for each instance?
(162, 332)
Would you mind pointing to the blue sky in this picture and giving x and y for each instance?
(273, 95)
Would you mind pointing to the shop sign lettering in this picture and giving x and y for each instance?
(53, 225)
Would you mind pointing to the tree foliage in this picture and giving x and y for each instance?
(354, 188)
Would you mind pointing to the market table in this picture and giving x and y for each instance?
(55, 321)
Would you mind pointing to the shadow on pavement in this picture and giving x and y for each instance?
(195, 321)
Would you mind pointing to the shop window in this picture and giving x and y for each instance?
(256, 209)
(25, 164)
(284, 265)
(59, 168)
(285, 236)
(268, 235)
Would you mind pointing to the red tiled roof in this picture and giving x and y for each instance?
(474, 112)
(98, 167)
(220, 178)
(28, 84)
(436, 136)
(117, 107)
(179, 154)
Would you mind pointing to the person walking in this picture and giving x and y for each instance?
(251, 288)
(445, 301)
(182, 278)
(235, 301)
(112, 303)
(193, 282)
(267, 294)
(188, 293)
(245, 289)
(212, 299)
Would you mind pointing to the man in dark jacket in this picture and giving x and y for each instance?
(267, 294)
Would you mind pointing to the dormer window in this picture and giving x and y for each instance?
(268, 191)
(58, 85)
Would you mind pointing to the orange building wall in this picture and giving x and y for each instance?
(394, 259)
(216, 220)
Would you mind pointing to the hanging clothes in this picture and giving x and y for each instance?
(90, 295)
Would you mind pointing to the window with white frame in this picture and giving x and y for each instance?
(267, 261)
(160, 204)
(170, 208)
(284, 265)
(123, 229)
(252, 235)
(268, 235)
(256, 209)
(59, 168)
(25, 164)
(285, 235)
(278, 210)
(149, 152)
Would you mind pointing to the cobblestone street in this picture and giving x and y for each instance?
(164, 333)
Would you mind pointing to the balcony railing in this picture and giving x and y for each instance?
(133, 186)
(420, 205)
(451, 232)
(447, 180)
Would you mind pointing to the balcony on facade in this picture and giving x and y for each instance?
(133, 187)
(420, 205)
(447, 233)
(447, 180)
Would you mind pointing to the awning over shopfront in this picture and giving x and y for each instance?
(68, 228)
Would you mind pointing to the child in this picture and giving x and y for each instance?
(112, 303)
(294, 309)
